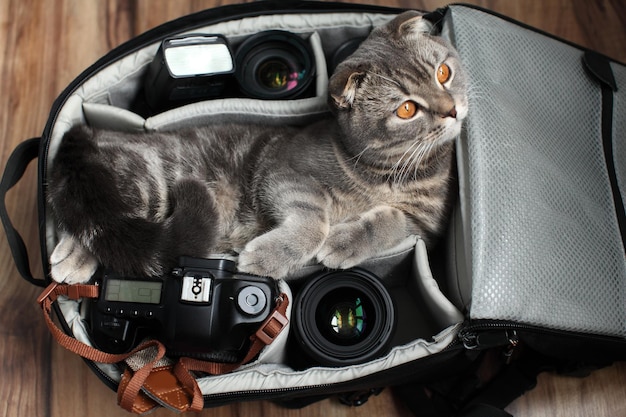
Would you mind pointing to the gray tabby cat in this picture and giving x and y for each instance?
(336, 192)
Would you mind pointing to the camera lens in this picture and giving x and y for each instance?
(274, 65)
(344, 51)
(343, 318)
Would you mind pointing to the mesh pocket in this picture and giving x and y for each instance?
(545, 242)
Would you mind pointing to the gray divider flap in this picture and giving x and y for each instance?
(536, 204)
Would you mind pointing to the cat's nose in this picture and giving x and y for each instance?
(450, 113)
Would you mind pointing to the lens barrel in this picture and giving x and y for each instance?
(342, 318)
(274, 65)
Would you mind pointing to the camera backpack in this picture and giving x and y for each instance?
(530, 277)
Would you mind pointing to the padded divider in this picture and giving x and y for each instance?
(276, 377)
(239, 110)
(439, 306)
(103, 116)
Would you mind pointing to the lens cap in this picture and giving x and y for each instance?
(343, 318)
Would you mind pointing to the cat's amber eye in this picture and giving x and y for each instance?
(443, 73)
(407, 110)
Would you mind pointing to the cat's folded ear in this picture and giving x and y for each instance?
(343, 85)
(410, 23)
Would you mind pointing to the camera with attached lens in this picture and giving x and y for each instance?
(205, 309)
(269, 65)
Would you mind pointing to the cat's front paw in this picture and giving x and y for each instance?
(71, 263)
(271, 255)
(344, 247)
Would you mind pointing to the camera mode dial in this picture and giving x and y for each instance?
(251, 300)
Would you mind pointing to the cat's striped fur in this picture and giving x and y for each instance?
(338, 191)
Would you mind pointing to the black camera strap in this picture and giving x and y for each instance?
(153, 385)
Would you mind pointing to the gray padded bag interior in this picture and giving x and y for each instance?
(537, 218)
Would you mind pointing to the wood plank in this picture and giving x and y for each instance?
(47, 44)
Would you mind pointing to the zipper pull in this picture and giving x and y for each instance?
(513, 343)
(473, 340)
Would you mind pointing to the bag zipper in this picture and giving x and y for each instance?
(488, 335)
(387, 377)
(485, 334)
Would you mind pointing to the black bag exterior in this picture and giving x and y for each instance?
(442, 384)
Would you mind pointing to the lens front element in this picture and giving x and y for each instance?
(341, 317)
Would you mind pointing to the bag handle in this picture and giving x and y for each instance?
(16, 165)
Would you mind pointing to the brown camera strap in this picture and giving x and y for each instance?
(173, 387)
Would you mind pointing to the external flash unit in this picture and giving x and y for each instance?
(188, 68)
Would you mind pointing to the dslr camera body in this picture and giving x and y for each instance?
(205, 309)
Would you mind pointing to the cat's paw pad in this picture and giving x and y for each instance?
(71, 263)
(268, 256)
(343, 248)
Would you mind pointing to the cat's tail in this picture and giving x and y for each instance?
(105, 213)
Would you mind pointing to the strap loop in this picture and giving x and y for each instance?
(272, 327)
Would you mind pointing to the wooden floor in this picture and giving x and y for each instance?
(45, 44)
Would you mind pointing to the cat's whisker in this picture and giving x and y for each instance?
(414, 159)
(476, 93)
(427, 149)
(396, 170)
(416, 155)
(358, 156)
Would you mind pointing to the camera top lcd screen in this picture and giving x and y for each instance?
(128, 291)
